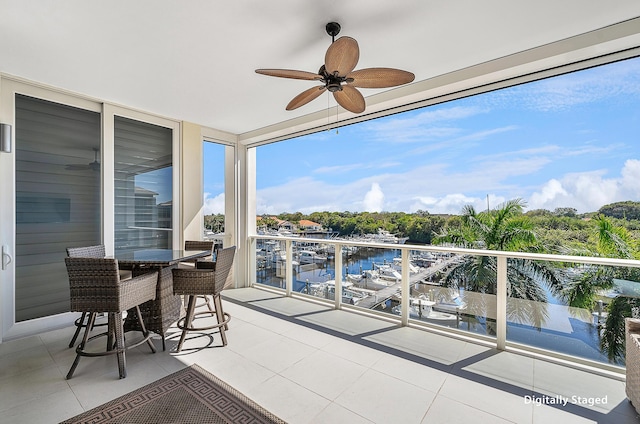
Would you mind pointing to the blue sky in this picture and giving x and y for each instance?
(568, 141)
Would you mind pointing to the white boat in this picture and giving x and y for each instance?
(382, 236)
(327, 290)
(422, 308)
(453, 304)
(397, 265)
(310, 257)
(371, 280)
(388, 272)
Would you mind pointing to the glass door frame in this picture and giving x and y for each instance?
(9, 329)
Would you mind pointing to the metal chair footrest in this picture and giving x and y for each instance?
(81, 350)
(181, 326)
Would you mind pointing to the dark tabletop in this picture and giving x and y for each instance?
(159, 257)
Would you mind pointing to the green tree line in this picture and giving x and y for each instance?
(558, 230)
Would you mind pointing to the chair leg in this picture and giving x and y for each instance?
(209, 305)
(87, 330)
(145, 332)
(111, 332)
(187, 321)
(220, 316)
(116, 322)
(79, 324)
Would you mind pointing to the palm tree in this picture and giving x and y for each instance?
(613, 242)
(506, 229)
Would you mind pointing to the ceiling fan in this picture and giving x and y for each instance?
(338, 76)
(91, 166)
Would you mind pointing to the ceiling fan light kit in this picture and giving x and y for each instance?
(338, 76)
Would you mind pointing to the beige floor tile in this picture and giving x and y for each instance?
(323, 373)
(384, 399)
(448, 411)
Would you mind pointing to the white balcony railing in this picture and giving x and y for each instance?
(552, 329)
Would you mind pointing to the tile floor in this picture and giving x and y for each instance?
(308, 363)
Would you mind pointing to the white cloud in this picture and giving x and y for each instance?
(588, 191)
(561, 93)
(213, 205)
(430, 187)
(551, 190)
(453, 203)
(339, 169)
(419, 127)
(374, 199)
(440, 188)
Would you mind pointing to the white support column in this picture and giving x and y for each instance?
(289, 267)
(404, 314)
(252, 264)
(108, 178)
(338, 279)
(501, 304)
(240, 209)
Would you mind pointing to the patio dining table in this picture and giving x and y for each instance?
(161, 313)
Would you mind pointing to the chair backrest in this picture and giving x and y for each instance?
(198, 245)
(224, 267)
(97, 251)
(94, 284)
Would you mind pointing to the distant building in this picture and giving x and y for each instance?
(306, 225)
(304, 228)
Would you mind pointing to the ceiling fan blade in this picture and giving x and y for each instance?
(305, 97)
(289, 73)
(350, 99)
(379, 77)
(342, 56)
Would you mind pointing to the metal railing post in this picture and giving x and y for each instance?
(404, 314)
(288, 245)
(338, 278)
(501, 304)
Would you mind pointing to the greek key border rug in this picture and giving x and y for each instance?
(191, 395)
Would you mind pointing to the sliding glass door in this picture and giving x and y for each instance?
(143, 169)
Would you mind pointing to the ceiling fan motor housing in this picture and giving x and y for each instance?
(333, 29)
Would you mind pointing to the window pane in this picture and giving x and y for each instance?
(213, 157)
(57, 199)
(143, 185)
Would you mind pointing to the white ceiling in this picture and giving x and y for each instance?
(195, 60)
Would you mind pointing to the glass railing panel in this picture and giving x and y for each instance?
(455, 291)
(581, 313)
(372, 278)
(313, 270)
(271, 262)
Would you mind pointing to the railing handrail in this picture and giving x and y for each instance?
(464, 251)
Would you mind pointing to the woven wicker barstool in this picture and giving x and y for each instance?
(200, 245)
(209, 278)
(97, 251)
(96, 287)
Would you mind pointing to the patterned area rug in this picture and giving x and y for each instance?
(191, 395)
